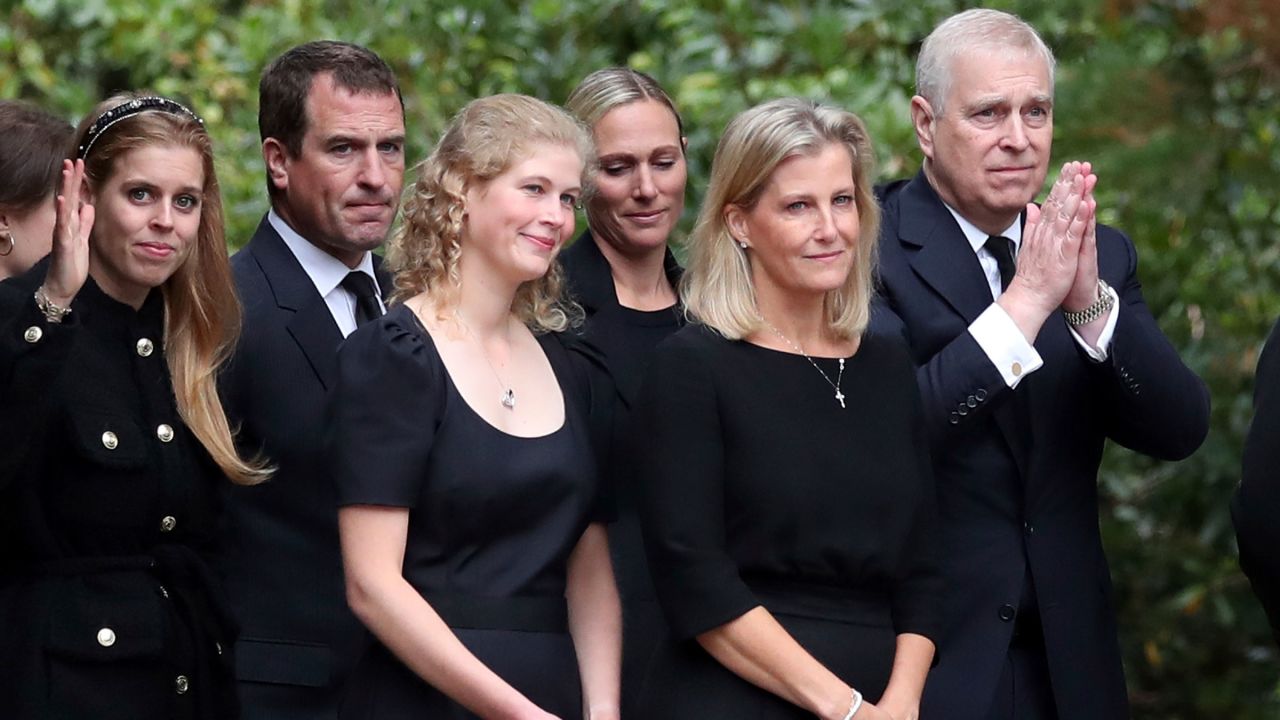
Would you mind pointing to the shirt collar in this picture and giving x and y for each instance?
(977, 238)
(326, 271)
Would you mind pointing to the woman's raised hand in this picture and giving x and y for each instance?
(69, 257)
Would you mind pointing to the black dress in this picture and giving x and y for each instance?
(108, 512)
(623, 341)
(760, 489)
(493, 517)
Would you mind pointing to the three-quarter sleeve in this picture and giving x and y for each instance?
(916, 600)
(383, 413)
(680, 468)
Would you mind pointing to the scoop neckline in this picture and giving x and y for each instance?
(453, 387)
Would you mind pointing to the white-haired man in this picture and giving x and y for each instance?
(1034, 346)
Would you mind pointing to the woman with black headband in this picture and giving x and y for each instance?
(115, 437)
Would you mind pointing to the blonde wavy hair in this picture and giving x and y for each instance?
(483, 140)
(202, 313)
(717, 288)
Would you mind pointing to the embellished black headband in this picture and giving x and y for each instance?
(127, 109)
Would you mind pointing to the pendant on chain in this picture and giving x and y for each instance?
(509, 399)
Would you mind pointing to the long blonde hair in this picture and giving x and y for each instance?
(202, 314)
(483, 140)
(717, 288)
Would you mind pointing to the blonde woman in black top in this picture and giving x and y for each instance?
(788, 500)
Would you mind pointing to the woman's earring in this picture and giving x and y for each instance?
(742, 244)
(8, 237)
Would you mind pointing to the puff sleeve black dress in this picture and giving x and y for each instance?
(493, 517)
(108, 513)
(759, 489)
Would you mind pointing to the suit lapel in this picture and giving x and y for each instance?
(938, 251)
(312, 326)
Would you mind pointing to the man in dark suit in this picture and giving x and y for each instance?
(1026, 367)
(332, 126)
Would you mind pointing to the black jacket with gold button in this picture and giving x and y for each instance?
(108, 508)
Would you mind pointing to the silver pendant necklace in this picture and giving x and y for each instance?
(508, 397)
(839, 376)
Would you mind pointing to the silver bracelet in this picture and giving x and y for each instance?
(52, 313)
(855, 704)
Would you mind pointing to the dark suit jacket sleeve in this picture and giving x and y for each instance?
(1152, 402)
(1155, 404)
(1256, 501)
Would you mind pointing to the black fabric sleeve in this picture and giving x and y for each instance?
(597, 398)
(1155, 404)
(1257, 500)
(33, 353)
(916, 599)
(682, 501)
(383, 413)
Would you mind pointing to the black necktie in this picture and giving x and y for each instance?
(361, 285)
(1002, 249)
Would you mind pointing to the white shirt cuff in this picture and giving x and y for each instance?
(1004, 344)
(1099, 354)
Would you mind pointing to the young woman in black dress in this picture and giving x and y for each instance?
(787, 497)
(471, 536)
(115, 437)
(32, 145)
(624, 276)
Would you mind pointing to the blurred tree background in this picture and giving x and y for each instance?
(1175, 102)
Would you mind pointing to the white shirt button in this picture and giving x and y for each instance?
(106, 637)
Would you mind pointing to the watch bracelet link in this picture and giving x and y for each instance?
(1097, 309)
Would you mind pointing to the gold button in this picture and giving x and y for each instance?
(181, 684)
(1017, 369)
(33, 334)
(168, 523)
(106, 637)
(145, 347)
(109, 440)
(164, 432)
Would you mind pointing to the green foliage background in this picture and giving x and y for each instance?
(1175, 101)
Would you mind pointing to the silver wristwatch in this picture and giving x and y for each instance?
(1099, 308)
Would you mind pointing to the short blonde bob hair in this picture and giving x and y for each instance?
(717, 289)
(483, 140)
